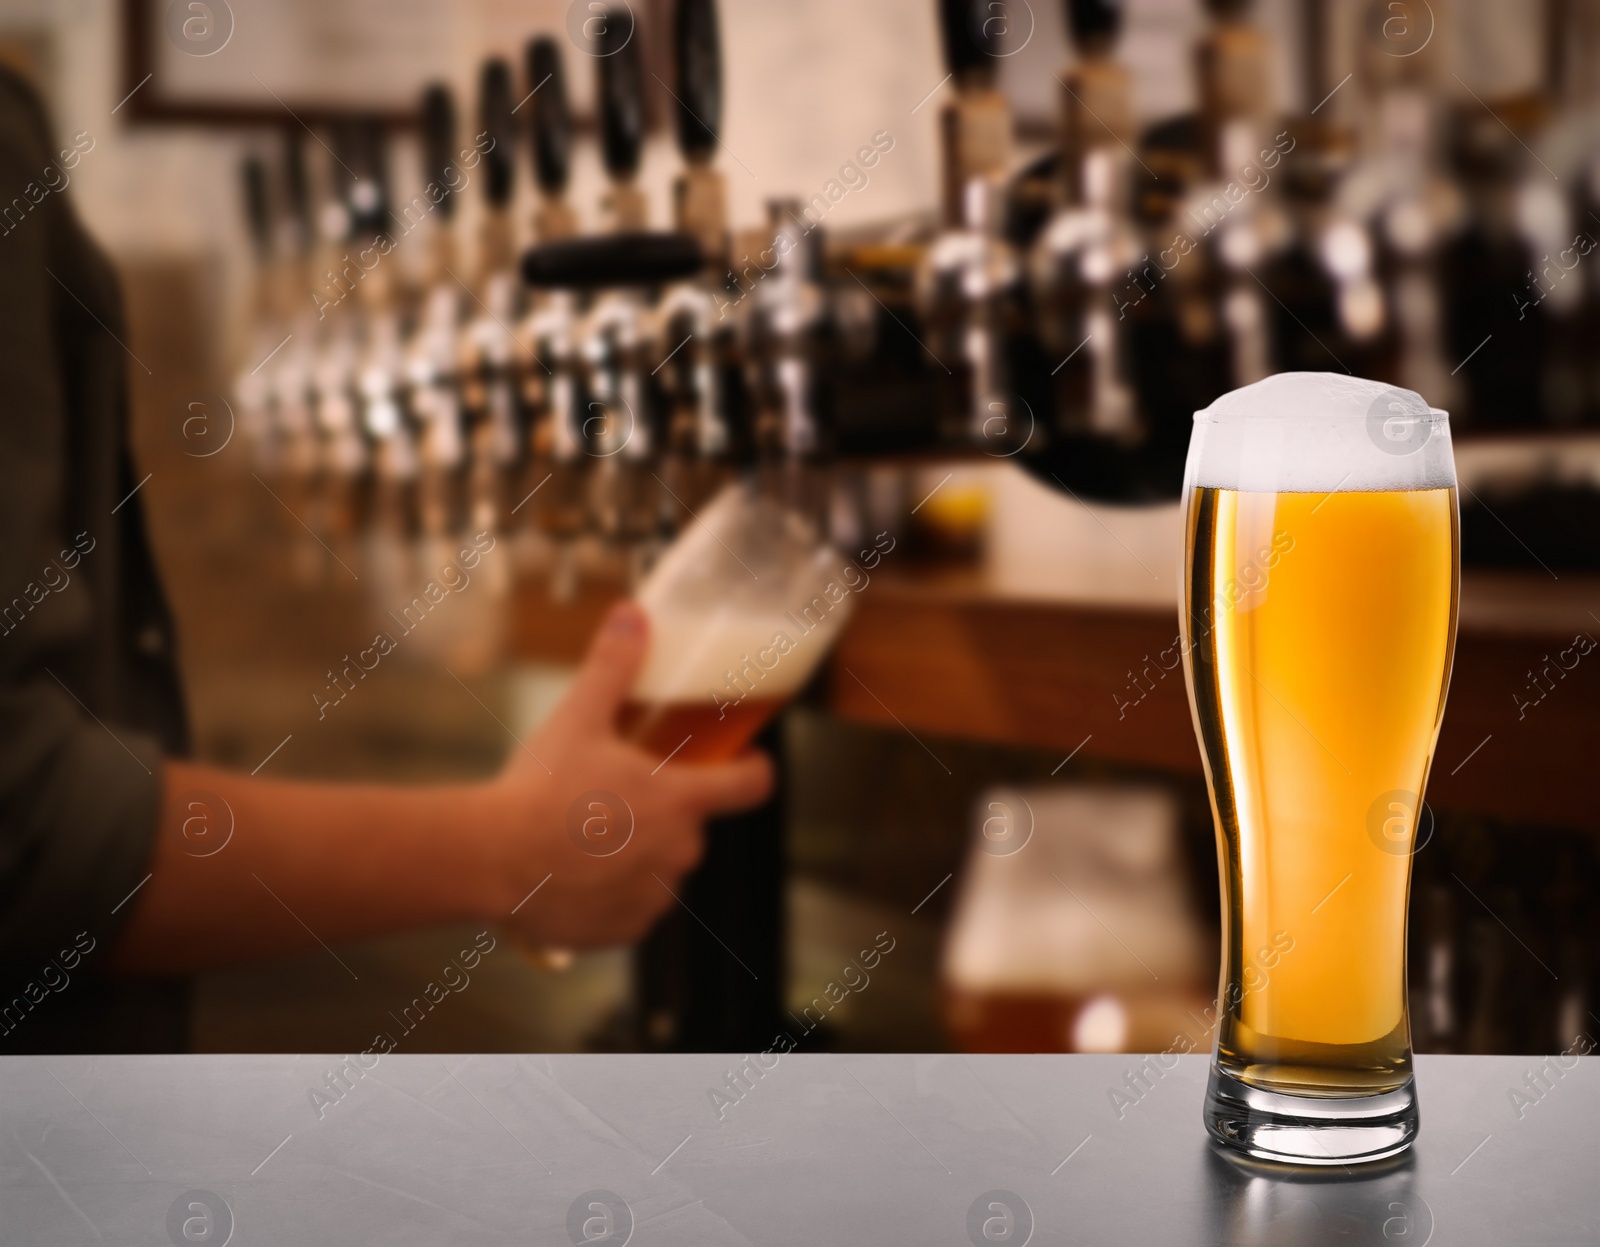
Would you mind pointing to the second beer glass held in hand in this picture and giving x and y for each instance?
(1319, 618)
(742, 608)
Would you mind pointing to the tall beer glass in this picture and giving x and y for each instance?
(1319, 620)
(742, 607)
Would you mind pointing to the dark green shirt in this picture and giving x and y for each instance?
(89, 698)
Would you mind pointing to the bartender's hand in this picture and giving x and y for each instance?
(250, 867)
(568, 799)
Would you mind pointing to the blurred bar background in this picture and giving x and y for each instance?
(952, 277)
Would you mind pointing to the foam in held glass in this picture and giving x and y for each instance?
(742, 609)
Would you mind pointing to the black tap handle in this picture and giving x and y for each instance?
(1228, 10)
(439, 144)
(698, 56)
(254, 173)
(1095, 24)
(496, 121)
(972, 35)
(634, 259)
(552, 118)
(621, 96)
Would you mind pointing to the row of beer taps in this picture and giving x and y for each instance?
(1069, 310)
(597, 387)
(1408, 230)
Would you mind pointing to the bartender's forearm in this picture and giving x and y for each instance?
(303, 862)
(328, 862)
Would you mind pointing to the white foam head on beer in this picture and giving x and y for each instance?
(1320, 432)
(747, 589)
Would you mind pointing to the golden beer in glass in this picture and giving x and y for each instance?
(1320, 591)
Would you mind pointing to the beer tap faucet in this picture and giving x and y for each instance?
(619, 430)
(1418, 209)
(556, 483)
(442, 174)
(379, 376)
(559, 493)
(1505, 273)
(789, 330)
(1327, 284)
(380, 384)
(489, 346)
(700, 194)
(697, 343)
(345, 455)
(395, 463)
(432, 350)
(1327, 308)
(975, 127)
(1238, 231)
(619, 423)
(697, 377)
(971, 280)
(278, 249)
(1090, 243)
(252, 390)
(290, 369)
(598, 374)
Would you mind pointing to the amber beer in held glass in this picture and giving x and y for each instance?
(742, 607)
(1319, 619)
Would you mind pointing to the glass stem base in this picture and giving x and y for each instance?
(1309, 1130)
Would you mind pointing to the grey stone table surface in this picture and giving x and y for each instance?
(876, 1150)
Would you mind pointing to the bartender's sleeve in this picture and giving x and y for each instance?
(79, 798)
